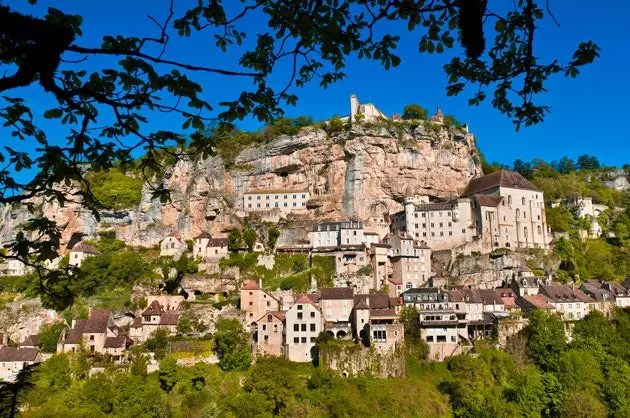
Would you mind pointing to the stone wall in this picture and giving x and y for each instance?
(356, 360)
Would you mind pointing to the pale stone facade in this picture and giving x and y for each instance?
(281, 201)
(303, 325)
(369, 113)
(336, 305)
(206, 247)
(255, 302)
(172, 246)
(269, 334)
(80, 252)
(410, 259)
(14, 359)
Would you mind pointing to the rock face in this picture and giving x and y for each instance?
(362, 173)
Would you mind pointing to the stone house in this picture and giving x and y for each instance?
(335, 234)
(153, 317)
(269, 334)
(411, 262)
(31, 341)
(336, 305)
(443, 322)
(14, 267)
(80, 252)
(173, 246)
(525, 283)
(603, 299)
(620, 294)
(508, 298)
(255, 301)
(571, 303)
(206, 247)
(98, 334)
(303, 325)
(539, 301)
(14, 359)
(376, 321)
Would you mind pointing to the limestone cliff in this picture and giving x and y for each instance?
(357, 174)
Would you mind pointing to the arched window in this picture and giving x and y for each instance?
(523, 200)
(525, 231)
(524, 214)
(539, 229)
(518, 213)
(509, 199)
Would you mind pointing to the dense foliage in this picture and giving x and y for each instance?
(587, 377)
(115, 189)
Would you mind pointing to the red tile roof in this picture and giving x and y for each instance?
(169, 319)
(306, 299)
(538, 301)
(153, 309)
(251, 285)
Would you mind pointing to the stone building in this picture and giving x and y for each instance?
(268, 334)
(336, 305)
(501, 209)
(368, 111)
(376, 321)
(173, 246)
(13, 267)
(206, 247)
(303, 325)
(255, 301)
(411, 262)
(80, 252)
(14, 359)
(281, 201)
(381, 268)
(571, 303)
(156, 315)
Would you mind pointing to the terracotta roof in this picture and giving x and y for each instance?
(337, 293)
(116, 342)
(85, 248)
(487, 200)
(203, 235)
(509, 302)
(137, 322)
(169, 318)
(11, 354)
(251, 285)
(153, 309)
(97, 322)
(538, 301)
(502, 178)
(277, 314)
(31, 341)
(73, 335)
(306, 299)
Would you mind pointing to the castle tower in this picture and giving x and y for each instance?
(354, 106)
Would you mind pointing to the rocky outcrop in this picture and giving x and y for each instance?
(358, 174)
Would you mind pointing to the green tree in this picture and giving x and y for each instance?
(274, 378)
(56, 370)
(415, 111)
(49, 337)
(115, 189)
(232, 345)
(235, 240)
(249, 238)
(110, 110)
(139, 365)
(582, 405)
(169, 374)
(80, 364)
(272, 239)
(546, 338)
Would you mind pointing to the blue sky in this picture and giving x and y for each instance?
(588, 113)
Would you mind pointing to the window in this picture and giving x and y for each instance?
(523, 201)
(509, 199)
(91, 338)
(518, 213)
(303, 340)
(269, 318)
(432, 224)
(299, 307)
(452, 338)
(296, 327)
(276, 197)
(296, 340)
(299, 315)
(303, 326)
(441, 224)
(539, 230)
(450, 233)
(251, 303)
(267, 197)
(424, 225)
(264, 327)
(430, 338)
(312, 339)
(441, 338)
(268, 303)
(249, 198)
(525, 232)
(312, 327)
(312, 314)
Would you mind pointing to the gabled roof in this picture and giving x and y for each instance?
(97, 322)
(251, 285)
(204, 235)
(337, 293)
(11, 354)
(503, 178)
(85, 248)
(116, 342)
(30, 341)
(361, 305)
(137, 322)
(218, 242)
(564, 293)
(383, 313)
(276, 314)
(306, 299)
(153, 309)
(175, 235)
(538, 301)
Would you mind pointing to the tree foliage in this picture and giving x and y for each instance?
(415, 111)
(232, 345)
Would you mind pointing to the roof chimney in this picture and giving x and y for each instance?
(260, 283)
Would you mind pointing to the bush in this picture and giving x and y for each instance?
(116, 190)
